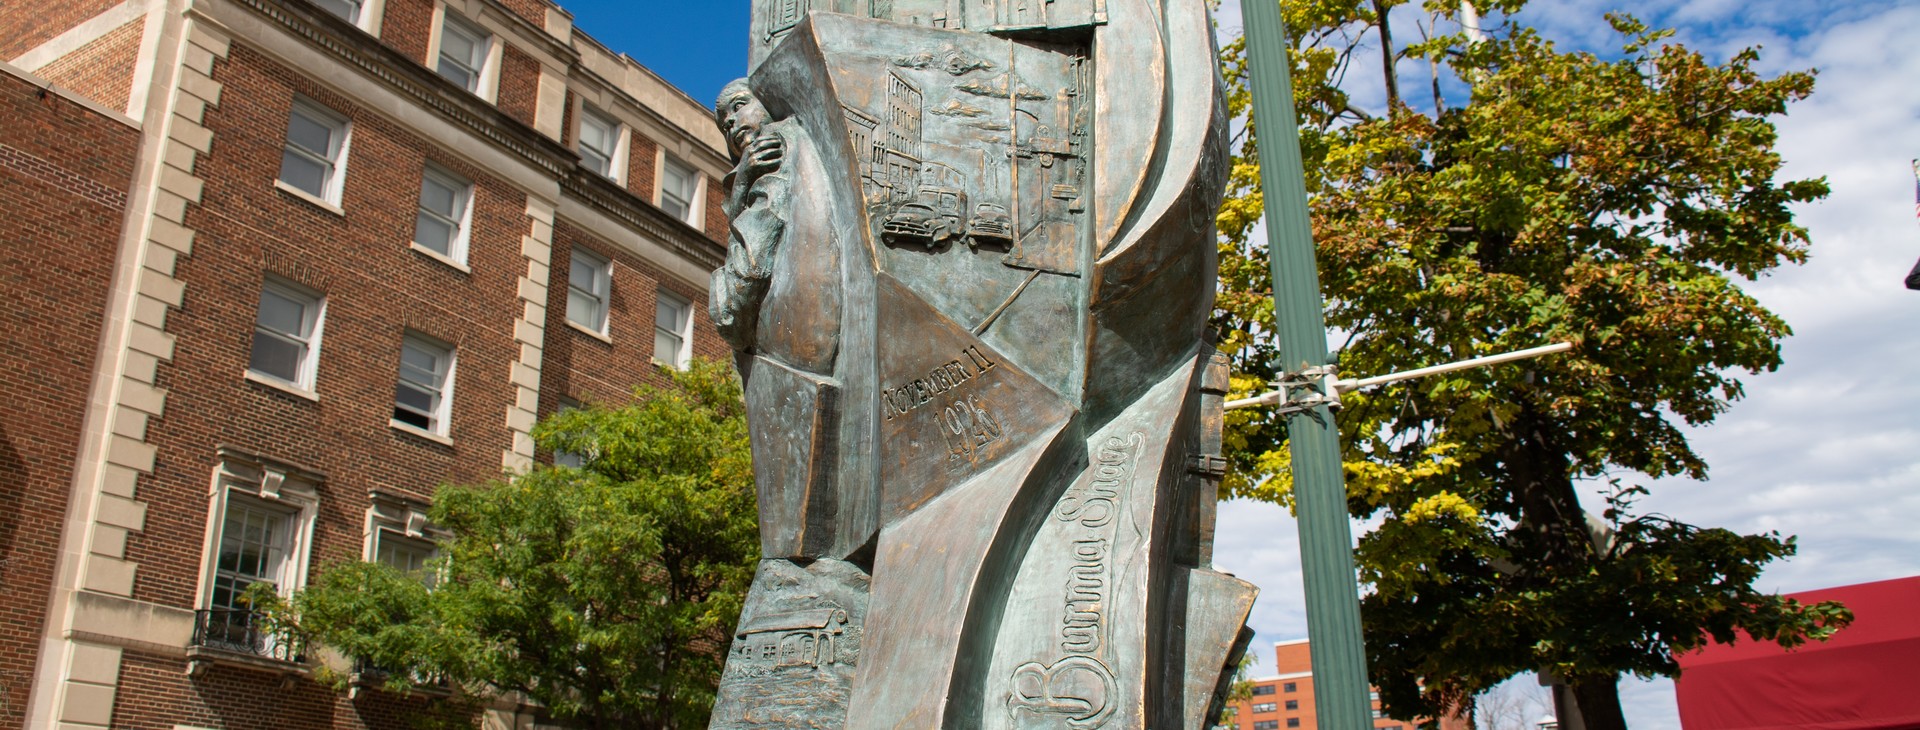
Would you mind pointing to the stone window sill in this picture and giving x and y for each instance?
(309, 197)
(283, 386)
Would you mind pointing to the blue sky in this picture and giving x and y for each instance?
(698, 46)
(1826, 448)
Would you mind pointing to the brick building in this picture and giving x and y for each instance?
(1285, 700)
(273, 270)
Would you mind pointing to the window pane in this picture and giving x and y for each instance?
(670, 315)
(347, 9)
(305, 173)
(666, 347)
(584, 273)
(457, 45)
(438, 196)
(282, 314)
(582, 308)
(598, 138)
(420, 365)
(459, 75)
(310, 134)
(276, 357)
(673, 207)
(433, 233)
(596, 162)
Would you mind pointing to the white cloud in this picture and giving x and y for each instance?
(1828, 447)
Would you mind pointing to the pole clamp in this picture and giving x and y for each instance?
(1306, 389)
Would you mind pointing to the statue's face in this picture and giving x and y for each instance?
(741, 119)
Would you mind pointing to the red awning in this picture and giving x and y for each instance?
(1866, 678)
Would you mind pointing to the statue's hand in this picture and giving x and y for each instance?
(763, 155)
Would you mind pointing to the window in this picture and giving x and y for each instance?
(1290, 687)
(463, 52)
(405, 554)
(259, 528)
(1293, 722)
(256, 540)
(672, 317)
(400, 536)
(1378, 713)
(1265, 707)
(1266, 725)
(568, 458)
(678, 184)
(425, 387)
(348, 10)
(589, 284)
(441, 225)
(316, 151)
(599, 142)
(1262, 689)
(286, 334)
(1293, 704)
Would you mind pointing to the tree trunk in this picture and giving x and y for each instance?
(1387, 56)
(1599, 702)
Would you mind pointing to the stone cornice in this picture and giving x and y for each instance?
(534, 34)
(414, 81)
(616, 202)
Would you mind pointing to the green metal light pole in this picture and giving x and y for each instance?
(1319, 488)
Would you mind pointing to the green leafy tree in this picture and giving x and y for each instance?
(605, 593)
(1615, 202)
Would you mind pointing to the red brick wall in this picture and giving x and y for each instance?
(534, 11)
(101, 70)
(641, 173)
(716, 218)
(64, 173)
(519, 84)
(26, 25)
(406, 25)
(376, 289)
(155, 693)
(583, 367)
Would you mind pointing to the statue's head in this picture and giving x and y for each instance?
(739, 113)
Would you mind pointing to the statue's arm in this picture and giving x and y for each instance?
(757, 222)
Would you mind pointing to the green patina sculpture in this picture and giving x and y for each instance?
(971, 264)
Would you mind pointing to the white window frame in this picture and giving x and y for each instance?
(442, 409)
(404, 519)
(269, 485)
(695, 181)
(335, 158)
(680, 359)
(483, 83)
(314, 321)
(599, 290)
(461, 221)
(616, 156)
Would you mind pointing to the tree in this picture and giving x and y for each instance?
(605, 593)
(1613, 202)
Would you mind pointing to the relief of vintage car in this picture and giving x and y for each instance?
(989, 226)
(932, 218)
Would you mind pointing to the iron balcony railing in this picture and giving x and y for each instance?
(243, 631)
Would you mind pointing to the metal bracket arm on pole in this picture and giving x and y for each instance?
(1322, 388)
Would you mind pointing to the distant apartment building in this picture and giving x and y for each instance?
(275, 269)
(1285, 699)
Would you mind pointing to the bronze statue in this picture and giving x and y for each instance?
(970, 269)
